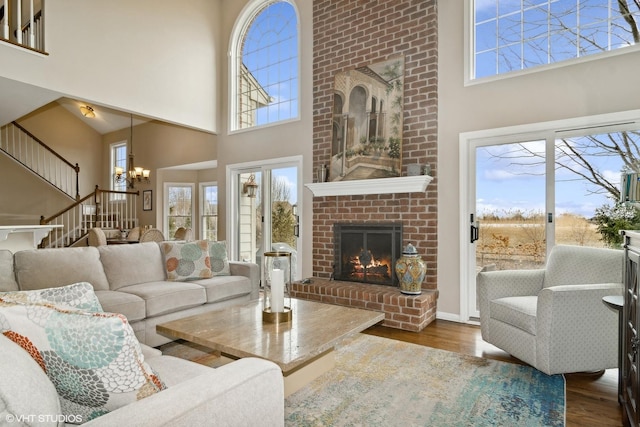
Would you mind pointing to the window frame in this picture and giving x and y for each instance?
(113, 186)
(165, 209)
(469, 55)
(201, 214)
(241, 26)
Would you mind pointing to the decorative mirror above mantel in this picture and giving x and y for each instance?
(401, 184)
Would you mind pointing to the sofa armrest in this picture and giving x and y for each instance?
(575, 328)
(246, 392)
(492, 285)
(250, 270)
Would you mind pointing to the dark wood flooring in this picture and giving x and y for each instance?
(592, 400)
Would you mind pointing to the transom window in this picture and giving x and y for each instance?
(514, 35)
(266, 65)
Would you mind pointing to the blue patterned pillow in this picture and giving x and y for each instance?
(219, 259)
(79, 295)
(93, 359)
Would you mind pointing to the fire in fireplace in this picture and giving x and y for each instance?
(367, 252)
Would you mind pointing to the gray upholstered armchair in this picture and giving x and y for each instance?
(554, 318)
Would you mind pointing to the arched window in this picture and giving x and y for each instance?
(264, 64)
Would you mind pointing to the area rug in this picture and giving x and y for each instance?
(383, 382)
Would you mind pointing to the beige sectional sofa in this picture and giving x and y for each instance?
(129, 279)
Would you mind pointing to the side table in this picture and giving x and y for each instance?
(616, 303)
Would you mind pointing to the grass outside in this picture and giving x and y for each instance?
(518, 242)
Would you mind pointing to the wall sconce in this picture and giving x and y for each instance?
(250, 186)
(87, 111)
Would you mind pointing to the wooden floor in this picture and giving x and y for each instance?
(592, 400)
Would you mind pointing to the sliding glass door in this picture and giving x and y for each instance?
(556, 187)
(266, 211)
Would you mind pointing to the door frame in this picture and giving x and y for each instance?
(233, 191)
(548, 131)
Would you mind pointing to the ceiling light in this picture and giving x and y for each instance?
(87, 111)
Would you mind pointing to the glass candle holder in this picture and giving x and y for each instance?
(276, 303)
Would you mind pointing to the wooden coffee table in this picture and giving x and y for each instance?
(303, 348)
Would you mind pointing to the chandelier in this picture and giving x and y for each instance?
(134, 173)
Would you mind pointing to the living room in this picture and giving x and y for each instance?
(166, 69)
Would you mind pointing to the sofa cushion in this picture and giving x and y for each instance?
(93, 359)
(225, 287)
(167, 297)
(7, 276)
(126, 265)
(219, 258)
(78, 295)
(131, 306)
(26, 389)
(50, 268)
(185, 261)
(516, 311)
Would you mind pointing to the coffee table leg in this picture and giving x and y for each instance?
(295, 380)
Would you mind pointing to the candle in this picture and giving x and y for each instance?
(277, 291)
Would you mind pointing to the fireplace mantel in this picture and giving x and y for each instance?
(401, 184)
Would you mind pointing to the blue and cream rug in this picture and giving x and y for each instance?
(383, 382)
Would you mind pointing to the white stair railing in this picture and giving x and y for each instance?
(29, 33)
(35, 155)
(115, 210)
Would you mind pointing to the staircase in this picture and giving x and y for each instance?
(19, 144)
(111, 210)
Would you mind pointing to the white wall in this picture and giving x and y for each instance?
(585, 89)
(154, 57)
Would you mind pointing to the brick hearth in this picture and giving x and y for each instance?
(407, 312)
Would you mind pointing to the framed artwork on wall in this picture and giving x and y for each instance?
(367, 122)
(147, 200)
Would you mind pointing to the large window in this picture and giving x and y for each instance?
(178, 207)
(510, 35)
(265, 66)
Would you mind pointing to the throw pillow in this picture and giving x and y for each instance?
(93, 359)
(79, 295)
(219, 260)
(186, 261)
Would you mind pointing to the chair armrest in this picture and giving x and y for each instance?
(574, 326)
(250, 270)
(492, 285)
(246, 392)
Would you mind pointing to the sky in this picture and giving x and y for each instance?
(505, 184)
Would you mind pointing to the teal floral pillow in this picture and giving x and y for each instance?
(219, 259)
(93, 359)
(79, 295)
(186, 261)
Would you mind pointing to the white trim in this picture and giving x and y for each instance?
(543, 131)
(401, 184)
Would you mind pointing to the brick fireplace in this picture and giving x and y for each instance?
(348, 35)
